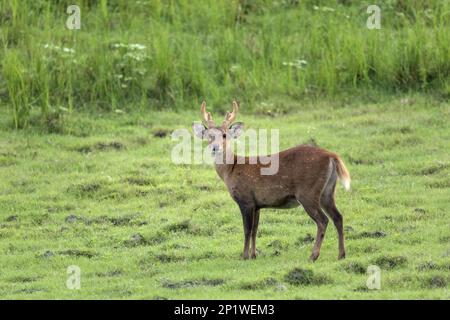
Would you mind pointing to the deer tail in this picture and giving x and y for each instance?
(343, 174)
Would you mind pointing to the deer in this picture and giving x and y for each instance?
(306, 176)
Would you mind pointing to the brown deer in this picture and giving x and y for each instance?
(306, 175)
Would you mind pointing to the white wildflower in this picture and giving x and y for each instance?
(137, 46)
(69, 50)
(300, 64)
(324, 9)
(131, 46)
(58, 48)
(327, 9)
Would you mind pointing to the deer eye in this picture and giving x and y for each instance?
(224, 135)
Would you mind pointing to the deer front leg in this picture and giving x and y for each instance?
(247, 219)
(254, 232)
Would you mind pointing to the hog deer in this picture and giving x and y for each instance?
(306, 176)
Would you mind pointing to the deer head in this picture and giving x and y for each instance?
(218, 137)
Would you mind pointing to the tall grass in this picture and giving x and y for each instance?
(169, 54)
(18, 88)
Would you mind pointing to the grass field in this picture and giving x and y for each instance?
(105, 196)
(86, 116)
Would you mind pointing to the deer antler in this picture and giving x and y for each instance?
(229, 118)
(207, 115)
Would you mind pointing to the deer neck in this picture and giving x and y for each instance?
(224, 163)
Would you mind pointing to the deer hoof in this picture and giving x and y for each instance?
(313, 257)
(341, 256)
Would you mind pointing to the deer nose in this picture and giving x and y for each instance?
(215, 147)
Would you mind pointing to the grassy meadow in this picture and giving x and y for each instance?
(108, 199)
(86, 176)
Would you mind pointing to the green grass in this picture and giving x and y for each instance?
(194, 49)
(105, 196)
(89, 181)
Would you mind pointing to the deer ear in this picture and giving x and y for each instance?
(236, 129)
(199, 129)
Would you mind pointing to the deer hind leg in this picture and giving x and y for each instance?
(313, 209)
(328, 204)
(247, 219)
(254, 232)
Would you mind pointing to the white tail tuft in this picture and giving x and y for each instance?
(343, 174)
(346, 183)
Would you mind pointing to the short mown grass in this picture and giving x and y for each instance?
(104, 195)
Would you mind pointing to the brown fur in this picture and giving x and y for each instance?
(307, 175)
